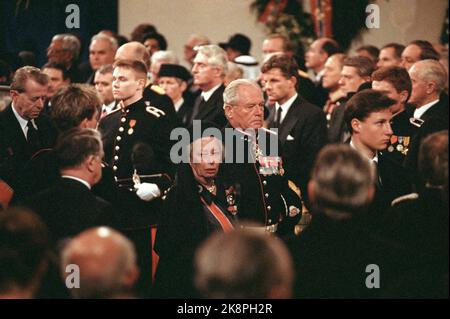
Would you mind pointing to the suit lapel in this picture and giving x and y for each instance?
(289, 121)
(211, 105)
(15, 131)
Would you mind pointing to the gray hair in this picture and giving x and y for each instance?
(216, 56)
(342, 180)
(432, 71)
(103, 37)
(231, 93)
(165, 56)
(70, 43)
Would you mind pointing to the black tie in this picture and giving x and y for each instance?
(379, 184)
(278, 119)
(198, 107)
(33, 137)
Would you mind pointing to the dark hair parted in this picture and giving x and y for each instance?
(57, 66)
(74, 103)
(364, 66)
(286, 64)
(363, 103)
(76, 145)
(395, 75)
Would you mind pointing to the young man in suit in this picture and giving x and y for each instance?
(23, 130)
(368, 117)
(301, 126)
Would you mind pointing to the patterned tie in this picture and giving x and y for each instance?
(33, 137)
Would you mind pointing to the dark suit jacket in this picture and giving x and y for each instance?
(14, 149)
(302, 133)
(69, 207)
(212, 110)
(436, 119)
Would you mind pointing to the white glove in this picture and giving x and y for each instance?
(147, 191)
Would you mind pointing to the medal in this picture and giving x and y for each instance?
(406, 142)
(394, 139)
(130, 131)
(132, 123)
(390, 148)
(399, 147)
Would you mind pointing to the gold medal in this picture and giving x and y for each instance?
(399, 147)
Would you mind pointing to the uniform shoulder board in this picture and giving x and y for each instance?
(266, 130)
(153, 110)
(158, 89)
(303, 74)
(404, 198)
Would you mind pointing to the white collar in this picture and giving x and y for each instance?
(23, 122)
(371, 160)
(418, 112)
(285, 106)
(206, 95)
(109, 107)
(319, 75)
(78, 180)
(178, 104)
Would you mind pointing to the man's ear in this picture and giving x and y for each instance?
(90, 163)
(356, 125)
(431, 87)
(228, 109)
(293, 79)
(14, 94)
(403, 96)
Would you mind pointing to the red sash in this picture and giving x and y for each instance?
(224, 222)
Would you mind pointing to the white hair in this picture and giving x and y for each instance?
(112, 41)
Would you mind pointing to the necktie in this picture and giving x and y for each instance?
(33, 137)
(278, 119)
(198, 107)
(379, 184)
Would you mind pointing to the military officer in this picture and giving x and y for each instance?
(256, 188)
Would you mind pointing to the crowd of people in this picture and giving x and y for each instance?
(231, 179)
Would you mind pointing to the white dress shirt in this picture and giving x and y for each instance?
(285, 107)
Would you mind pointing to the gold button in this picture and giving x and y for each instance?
(270, 221)
(114, 168)
(123, 120)
(264, 182)
(116, 158)
(269, 208)
(117, 148)
(267, 195)
(121, 129)
(118, 138)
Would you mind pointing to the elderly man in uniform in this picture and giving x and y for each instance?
(257, 189)
(138, 151)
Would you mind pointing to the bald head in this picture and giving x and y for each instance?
(133, 51)
(107, 263)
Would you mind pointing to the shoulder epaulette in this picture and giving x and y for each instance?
(158, 89)
(404, 198)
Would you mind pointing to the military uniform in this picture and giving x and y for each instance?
(157, 97)
(401, 139)
(257, 189)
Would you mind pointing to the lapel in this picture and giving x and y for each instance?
(13, 128)
(290, 120)
(437, 109)
(211, 105)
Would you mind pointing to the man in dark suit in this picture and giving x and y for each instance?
(301, 126)
(23, 130)
(368, 117)
(332, 255)
(69, 207)
(428, 79)
(210, 66)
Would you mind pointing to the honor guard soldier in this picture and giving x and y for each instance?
(257, 190)
(137, 148)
